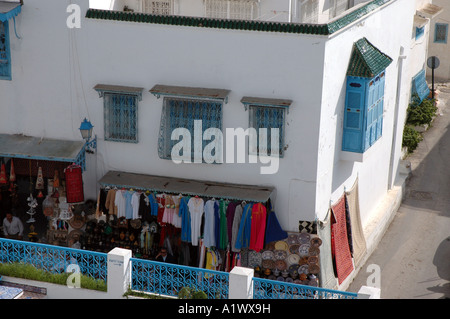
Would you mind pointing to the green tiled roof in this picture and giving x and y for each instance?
(318, 29)
(366, 60)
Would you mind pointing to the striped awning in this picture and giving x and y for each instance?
(9, 10)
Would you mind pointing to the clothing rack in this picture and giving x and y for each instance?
(186, 194)
(248, 193)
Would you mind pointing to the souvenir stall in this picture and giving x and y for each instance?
(40, 184)
(42, 194)
(202, 224)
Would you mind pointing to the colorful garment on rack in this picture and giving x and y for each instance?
(216, 224)
(231, 208)
(243, 236)
(209, 229)
(110, 202)
(169, 209)
(128, 207)
(176, 219)
(274, 232)
(144, 207)
(195, 205)
(235, 228)
(135, 203)
(185, 216)
(223, 225)
(161, 206)
(258, 227)
(120, 203)
(154, 206)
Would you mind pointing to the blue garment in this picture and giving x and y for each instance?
(153, 205)
(185, 215)
(274, 232)
(243, 236)
(128, 207)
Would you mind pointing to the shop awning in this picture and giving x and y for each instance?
(190, 92)
(30, 147)
(186, 186)
(9, 10)
(430, 11)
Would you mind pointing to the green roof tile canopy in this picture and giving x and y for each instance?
(253, 25)
(366, 60)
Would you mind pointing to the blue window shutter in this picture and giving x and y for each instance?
(440, 33)
(265, 117)
(5, 54)
(120, 117)
(380, 106)
(420, 86)
(181, 113)
(371, 114)
(363, 116)
(353, 115)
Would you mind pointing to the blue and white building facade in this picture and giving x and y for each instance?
(133, 68)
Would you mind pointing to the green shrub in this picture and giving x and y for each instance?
(27, 271)
(420, 113)
(411, 138)
(191, 293)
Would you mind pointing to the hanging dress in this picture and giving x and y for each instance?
(195, 205)
(258, 227)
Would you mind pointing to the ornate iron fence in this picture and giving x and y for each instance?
(54, 259)
(272, 289)
(168, 279)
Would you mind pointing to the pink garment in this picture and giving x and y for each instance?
(258, 227)
(169, 210)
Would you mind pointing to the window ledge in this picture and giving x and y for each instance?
(360, 157)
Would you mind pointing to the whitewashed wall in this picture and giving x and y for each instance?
(335, 173)
(55, 70)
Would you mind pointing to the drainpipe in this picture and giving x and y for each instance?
(397, 106)
(290, 11)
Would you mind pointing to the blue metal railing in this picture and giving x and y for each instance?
(272, 289)
(54, 259)
(168, 279)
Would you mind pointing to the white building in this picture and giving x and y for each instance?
(439, 15)
(289, 58)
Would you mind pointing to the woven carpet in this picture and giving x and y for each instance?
(358, 239)
(342, 257)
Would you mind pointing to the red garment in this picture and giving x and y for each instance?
(258, 227)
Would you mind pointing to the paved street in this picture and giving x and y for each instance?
(414, 254)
